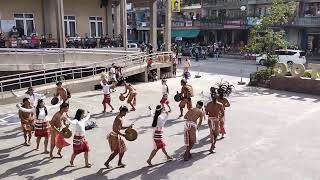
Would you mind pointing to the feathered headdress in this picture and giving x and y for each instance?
(222, 89)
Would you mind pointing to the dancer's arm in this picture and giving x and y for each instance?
(49, 107)
(16, 95)
(25, 109)
(226, 103)
(200, 121)
(72, 121)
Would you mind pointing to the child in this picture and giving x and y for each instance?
(159, 119)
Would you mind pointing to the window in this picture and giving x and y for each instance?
(96, 29)
(70, 26)
(24, 23)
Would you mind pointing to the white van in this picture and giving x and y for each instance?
(132, 45)
(288, 56)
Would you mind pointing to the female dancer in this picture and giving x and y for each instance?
(159, 119)
(165, 93)
(33, 97)
(80, 144)
(41, 123)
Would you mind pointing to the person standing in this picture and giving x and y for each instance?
(41, 122)
(174, 66)
(106, 95)
(160, 117)
(116, 143)
(57, 139)
(27, 119)
(31, 95)
(80, 144)
(191, 128)
(62, 92)
(186, 94)
(132, 95)
(215, 111)
(165, 93)
(113, 76)
(224, 101)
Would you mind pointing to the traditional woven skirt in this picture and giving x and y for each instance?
(190, 133)
(116, 143)
(164, 100)
(106, 98)
(60, 141)
(80, 145)
(159, 142)
(213, 123)
(42, 128)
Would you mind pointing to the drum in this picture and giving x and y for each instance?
(131, 134)
(54, 100)
(66, 132)
(177, 97)
(121, 97)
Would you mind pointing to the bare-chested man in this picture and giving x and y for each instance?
(116, 143)
(191, 127)
(185, 97)
(26, 121)
(224, 101)
(55, 130)
(215, 111)
(132, 95)
(62, 92)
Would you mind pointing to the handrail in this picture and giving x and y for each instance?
(92, 68)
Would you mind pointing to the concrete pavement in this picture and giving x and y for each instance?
(270, 135)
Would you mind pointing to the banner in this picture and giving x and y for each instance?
(175, 5)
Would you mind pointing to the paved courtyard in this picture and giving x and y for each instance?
(270, 135)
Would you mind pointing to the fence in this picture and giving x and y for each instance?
(35, 78)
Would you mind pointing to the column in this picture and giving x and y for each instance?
(60, 24)
(123, 7)
(117, 28)
(109, 19)
(167, 28)
(233, 34)
(153, 25)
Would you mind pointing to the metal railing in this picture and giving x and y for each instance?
(36, 78)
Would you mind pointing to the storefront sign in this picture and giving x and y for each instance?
(188, 23)
(297, 70)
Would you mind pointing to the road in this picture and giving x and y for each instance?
(270, 135)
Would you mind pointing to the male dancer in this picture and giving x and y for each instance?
(56, 124)
(186, 97)
(62, 92)
(107, 97)
(116, 143)
(215, 111)
(132, 95)
(191, 127)
(26, 121)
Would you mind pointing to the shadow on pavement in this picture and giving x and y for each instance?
(60, 172)
(16, 158)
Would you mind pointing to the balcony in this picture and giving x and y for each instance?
(186, 24)
(224, 23)
(253, 2)
(306, 21)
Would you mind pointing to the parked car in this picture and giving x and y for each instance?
(288, 56)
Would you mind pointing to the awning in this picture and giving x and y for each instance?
(193, 33)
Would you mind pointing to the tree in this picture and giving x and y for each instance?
(264, 38)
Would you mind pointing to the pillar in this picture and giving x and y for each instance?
(117, 28)
(109, 19)
(60, 24)
(233, 34)
(124, 32)
(153, 25)
(167, 28)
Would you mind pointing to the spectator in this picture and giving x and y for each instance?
(52, 42)
(68, 41)
(103, 41)
(14, 32)
(24, 42)
(2, 41)
(13, 43)
(77, 41)
(35, 41)
(44, 43)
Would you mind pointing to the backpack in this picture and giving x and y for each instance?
(190, 90)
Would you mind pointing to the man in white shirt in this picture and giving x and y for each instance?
(106, 92)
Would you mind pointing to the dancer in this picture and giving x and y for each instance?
(56, 124)
(132, 95)
(191, 128)
(80, 144)
(165, 93)
(159, 119)
(41, 123)
(33, 97)
(224, 101)
(187, 93)
(27, 119)
(113, 76)
(106, 95)
(116, 143)
(215, 111)
(63, 92)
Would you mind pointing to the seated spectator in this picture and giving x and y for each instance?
(2, 41)
(44, 43)
(35, 41)
(52, 42)
(24, 42)
(68, 41)
(103, 41)
(77, 41)
(13, 43)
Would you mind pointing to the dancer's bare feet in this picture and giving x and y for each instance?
(88, 165)
(60, 155)
(107, 166)
(133, 109)
(121, 165)
(46, 152)
(149, 162)
(169, 158)
(71, 164)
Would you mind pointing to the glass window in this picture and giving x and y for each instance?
(70, 26)
(18, 15)
(24, 23)
(93, 29)
(96, 26)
